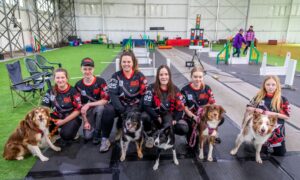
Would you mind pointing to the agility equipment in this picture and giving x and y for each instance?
(288, 69)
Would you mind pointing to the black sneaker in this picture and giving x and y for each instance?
(96, 140)
(218, 140)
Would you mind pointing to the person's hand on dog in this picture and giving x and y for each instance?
(87, 125)
(159, 120)
(174, 122)
(59, 122)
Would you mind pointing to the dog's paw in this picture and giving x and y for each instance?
(44, 158)
(140, 155)
(19, 158)
(155, 167)
(176, 161)
(55, 148)
(122, 158)
(210, 159)
(233, 152)
(258, 160)
(201, 156)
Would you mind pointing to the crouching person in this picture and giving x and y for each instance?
(65, 103)
(97, 114)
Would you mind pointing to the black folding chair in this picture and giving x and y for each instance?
(33, 69)
(24, 88)
(44, 64)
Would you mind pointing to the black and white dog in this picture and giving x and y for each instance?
(163, 140)
(132, 131)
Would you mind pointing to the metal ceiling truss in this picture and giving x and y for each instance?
(43, 22)
(11, 34)
(67, 19)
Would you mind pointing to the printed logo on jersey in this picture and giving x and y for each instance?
(83, 93)
(134, 83)
(113, 84)
(96, 91)
(67, 99)
(121, 83)
(190, 97)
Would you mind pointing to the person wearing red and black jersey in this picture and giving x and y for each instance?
(196, 94)
(269, 101)
(126, 87)
(163, 104)
(64, 100)
(97, 114)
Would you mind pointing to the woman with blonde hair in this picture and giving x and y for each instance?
(269, 101)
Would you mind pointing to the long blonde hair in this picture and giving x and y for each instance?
(276, 100)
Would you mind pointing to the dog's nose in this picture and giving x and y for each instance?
(156, 143)
(263, 130)
(40, 116)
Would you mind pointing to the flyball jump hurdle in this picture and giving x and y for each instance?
(147, 71)
(288, 69)
(226, 55)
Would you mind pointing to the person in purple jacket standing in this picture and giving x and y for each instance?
(238, 42)
(249, 37)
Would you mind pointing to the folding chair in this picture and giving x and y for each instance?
(42, 63)
(33, 69)
(23, 87)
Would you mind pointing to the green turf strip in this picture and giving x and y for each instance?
(70, 57)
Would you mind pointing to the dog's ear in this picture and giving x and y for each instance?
(221, 110)
(256, 116)
(273, 119)
(29, 115)
(167, 130)
(204, 112)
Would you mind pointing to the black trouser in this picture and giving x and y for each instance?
(107, 121)
(280, 150)
(69, 130)
(180, 128)
(101, 119)
(247, 46)
(237, 51)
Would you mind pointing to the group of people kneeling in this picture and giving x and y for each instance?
(96, 103)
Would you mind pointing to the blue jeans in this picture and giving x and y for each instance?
(237, 51)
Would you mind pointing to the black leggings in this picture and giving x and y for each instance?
(107, 120)
(180, 128)
(69, 130)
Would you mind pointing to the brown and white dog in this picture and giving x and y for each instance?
(210, 117)
(256, 128)
(29, 135)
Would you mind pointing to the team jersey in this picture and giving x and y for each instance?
(97, 90)
(126, 91)
(165, 104)
(195, 98)
(64, 102)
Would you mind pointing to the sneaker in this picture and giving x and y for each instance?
(218, 140)
(149, 142)
(96, 140)
(105, 145)
(118, 135)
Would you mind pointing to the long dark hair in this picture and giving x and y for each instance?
(170, 85)
(54, 74)
(134, 60)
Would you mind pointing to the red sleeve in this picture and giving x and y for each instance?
(77, 101)
(179, 106)
(103, 92)
(211, 99)
(285, 107)
(143, 85)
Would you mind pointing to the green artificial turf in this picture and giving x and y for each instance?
(70, 57)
